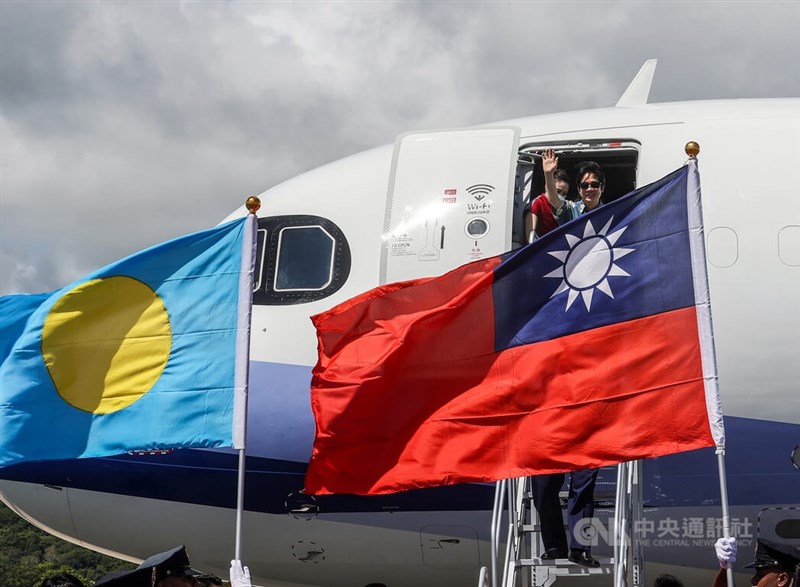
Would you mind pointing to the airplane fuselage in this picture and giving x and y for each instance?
(428, 203)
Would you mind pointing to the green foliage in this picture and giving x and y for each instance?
(28, 555)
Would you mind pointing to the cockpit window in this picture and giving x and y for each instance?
(299, 259)
(305, 258)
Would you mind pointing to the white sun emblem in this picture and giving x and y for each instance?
(588, 263)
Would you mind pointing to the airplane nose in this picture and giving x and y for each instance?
(50, 503)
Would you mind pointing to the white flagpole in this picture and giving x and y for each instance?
(706, 330)
(239, 506)
(726, 518)
(243, 358)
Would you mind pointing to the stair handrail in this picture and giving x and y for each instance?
(628, 554)
(497, 508)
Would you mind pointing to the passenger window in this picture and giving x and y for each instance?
(299, 259)
(305, 258)
(723, 247)
(789, 245)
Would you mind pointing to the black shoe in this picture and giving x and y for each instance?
(554, 553)
(583, 558)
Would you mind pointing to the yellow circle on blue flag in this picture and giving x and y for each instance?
(106, 342)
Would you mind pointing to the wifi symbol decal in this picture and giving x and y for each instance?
(480, 190)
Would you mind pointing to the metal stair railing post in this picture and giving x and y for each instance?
(521, 511)
(512, 541)
(508, 570)
(637, 515)
(629, 511)
(619, 533)
(524, 505)
(499, 493)
(483, 576)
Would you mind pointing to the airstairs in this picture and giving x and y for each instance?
(517, 546)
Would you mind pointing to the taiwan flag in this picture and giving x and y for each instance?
(590, 347)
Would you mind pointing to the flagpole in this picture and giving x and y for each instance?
(706, 331)
(239, 506)
(243, 359)
(726, 518)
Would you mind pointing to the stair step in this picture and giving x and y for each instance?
(563, 566)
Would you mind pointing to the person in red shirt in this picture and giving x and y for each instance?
(549, 210)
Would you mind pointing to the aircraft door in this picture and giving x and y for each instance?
(450, 200)
(780, 524)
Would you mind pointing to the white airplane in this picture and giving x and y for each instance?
(424, 205)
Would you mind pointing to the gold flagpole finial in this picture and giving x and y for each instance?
(253, 204)
(692, 149)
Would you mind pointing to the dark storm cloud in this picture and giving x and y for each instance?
(51, 84)
(35, 76)
(127, 123)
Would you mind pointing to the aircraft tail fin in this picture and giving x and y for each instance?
(636, 94)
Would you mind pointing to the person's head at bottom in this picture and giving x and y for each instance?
(775, 564)
(178, 579)
(62, 580)
(166, 569)
(667, 580)
(773, 577)
(209, 580)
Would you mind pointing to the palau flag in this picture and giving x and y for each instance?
(590, 347)
(147, 353)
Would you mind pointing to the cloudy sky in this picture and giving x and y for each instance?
(128, 123)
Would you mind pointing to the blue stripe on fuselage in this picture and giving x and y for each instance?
(758, 463)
